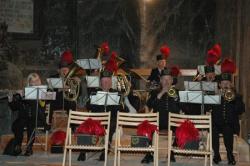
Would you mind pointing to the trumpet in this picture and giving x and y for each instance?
(228, 94)
(172, 92)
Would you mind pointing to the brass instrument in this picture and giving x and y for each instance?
(72, 84)
(228, 94)
(123, 85)
(172, 92)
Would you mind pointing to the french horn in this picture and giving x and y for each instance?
(72, 83)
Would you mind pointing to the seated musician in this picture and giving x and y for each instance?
(154, 77)
(105, 85)
(225, 117)
(65, 66)
(163, 100)
(27, 112)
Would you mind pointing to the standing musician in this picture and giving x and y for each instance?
(225, 117)
(154, 77)
(163, 100)
(213, 57)
(27, 116)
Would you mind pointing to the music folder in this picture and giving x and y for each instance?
(105, 98)
(89, 63)
(38, 93)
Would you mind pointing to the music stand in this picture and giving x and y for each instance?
(37, 93)
(89, 63)
(194, 93)
(57, 83)
(105, 98)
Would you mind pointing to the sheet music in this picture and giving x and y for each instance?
(196, 97)
(105, 98)
(55, 83)
(196, 86)
(93, 81)
(31, 93)
(89, 63)
(114, 82)
(201, 69)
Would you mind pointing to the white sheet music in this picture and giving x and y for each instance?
(93, 81)
(89, 63)
(55, 83)
(201, 69)
(105, 98)
(114, 82)
(198, 86)
(196, 97)
(38, 92)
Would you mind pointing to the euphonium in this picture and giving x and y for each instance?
(172, 92)
(72, 84)
(228, 94)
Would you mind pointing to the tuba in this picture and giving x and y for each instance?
(71, 83)
(228, 94)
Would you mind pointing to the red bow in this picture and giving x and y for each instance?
(91, 127)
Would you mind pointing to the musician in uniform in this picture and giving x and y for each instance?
(154, 77)
(163, 100)
(106, 86)
(225, 117)
(27, 112)
(65, 66)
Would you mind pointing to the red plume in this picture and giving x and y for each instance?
(217, 50)
(175, 71)
(185, 133)
(105, 48)
(58, 138)
(112, 65)
(91, 127)
(165, 50)
(228, 66)
(212, 58)
(67, 57)
(146, 129)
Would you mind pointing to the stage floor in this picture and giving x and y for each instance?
(48, 159)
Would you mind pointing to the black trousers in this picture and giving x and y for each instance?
(227, 133)
(18, 130)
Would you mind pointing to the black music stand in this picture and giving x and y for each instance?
(37, 93)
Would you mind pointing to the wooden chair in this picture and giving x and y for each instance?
(133, 120)
(201, 122)
(76, 118)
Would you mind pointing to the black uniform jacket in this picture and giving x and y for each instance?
(155, 75)
(164, 105)
(227, 113)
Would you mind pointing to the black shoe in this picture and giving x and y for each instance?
(217, 159)
(82, 156)
(28, 152)
(147, 159)
(102, 157)
(231, 160)
(172, 158)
